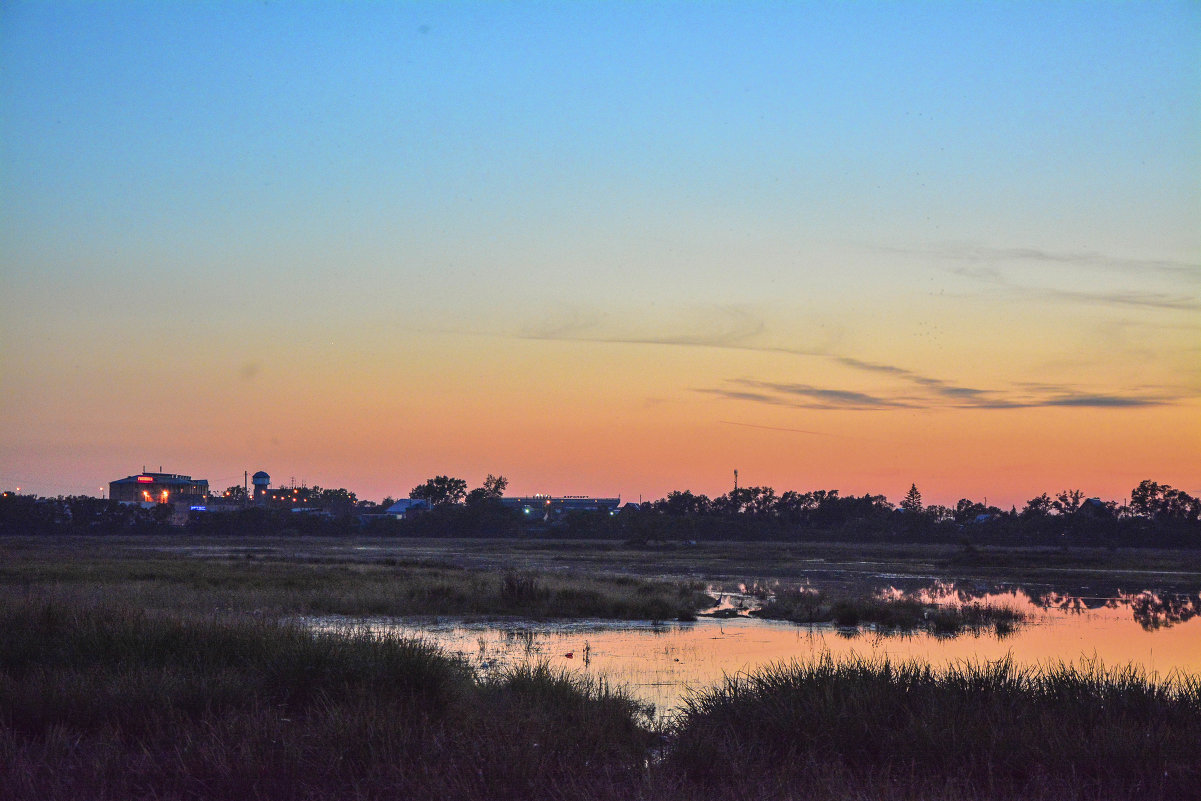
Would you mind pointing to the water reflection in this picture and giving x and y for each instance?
(1151, 609)
(660, 663)
(1155, 612)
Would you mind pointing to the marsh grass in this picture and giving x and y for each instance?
(902, 613)
(385, 587)
(101, 702)
(878, 729)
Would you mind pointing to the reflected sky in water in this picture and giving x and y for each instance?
(660, 663)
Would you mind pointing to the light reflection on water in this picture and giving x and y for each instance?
(661, 663)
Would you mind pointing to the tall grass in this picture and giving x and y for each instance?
(107, 703)
(861, 729)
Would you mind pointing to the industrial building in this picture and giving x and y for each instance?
(551, 506)
(261, 482)
(159, 488)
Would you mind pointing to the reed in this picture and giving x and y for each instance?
(101, 702)
(851, 729)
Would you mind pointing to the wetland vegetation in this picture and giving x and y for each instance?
(98, 701)
(175, 667)
(378, 586)
(904, 613)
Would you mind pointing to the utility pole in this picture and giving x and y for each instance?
(736, 479)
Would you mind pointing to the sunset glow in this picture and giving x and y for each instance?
(605, 249)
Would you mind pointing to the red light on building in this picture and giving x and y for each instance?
(145, 479)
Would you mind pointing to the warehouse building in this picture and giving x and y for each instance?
(159, 488)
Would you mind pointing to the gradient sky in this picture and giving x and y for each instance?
(603, 248)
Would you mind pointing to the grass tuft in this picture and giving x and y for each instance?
(902, 613)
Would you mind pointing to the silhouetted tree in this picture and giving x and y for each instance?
(235, 493)
(967, 510)
(912, 502)
(939, 513)
(1037, 507)
(794, 507)
(492, 490)
(1163, 502)
(683, 503)
(440, 490)
(1067, 502)
(336, 501)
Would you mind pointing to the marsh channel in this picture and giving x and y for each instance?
(661, 662)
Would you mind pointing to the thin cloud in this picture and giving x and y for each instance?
(1172, 268)
(1105, 401)
(804, 396)
(1131, 297)
(780, 428)
(735, 328)
(756, 397)
(1154, 300)
(829, 398)
(935, 384)
(724, 327)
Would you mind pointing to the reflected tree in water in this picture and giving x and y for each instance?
(1153, 611)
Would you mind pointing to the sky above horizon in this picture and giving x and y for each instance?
(603, 248)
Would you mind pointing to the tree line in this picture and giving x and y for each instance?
(1156, 515)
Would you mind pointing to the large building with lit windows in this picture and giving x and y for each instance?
(158, 488)
(551, 506)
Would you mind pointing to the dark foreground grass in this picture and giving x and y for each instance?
(103, 703)
(851, 729)
(107, 704)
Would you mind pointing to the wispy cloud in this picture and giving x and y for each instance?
(1106, 401)
(812, 397)
(995, 266)
(721, 327)
(1126, 297)
(741, 329)
(780, 428)
(936, 385)
(1154, 300)
(803, 396)
(757, 397)
(984, 254)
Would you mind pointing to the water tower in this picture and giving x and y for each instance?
(261, 481)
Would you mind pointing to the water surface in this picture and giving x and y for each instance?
(661, 662)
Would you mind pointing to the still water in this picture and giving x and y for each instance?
(661, 663)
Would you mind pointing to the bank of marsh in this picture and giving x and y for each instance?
(102, 702)
(381, 586)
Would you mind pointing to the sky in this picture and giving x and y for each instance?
(612, 248)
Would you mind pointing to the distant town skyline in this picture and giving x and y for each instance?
(615, 249)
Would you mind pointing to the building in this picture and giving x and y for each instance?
(159, 488)
(291, 497)
(550, 506)
(261, 482)
(405, 507)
